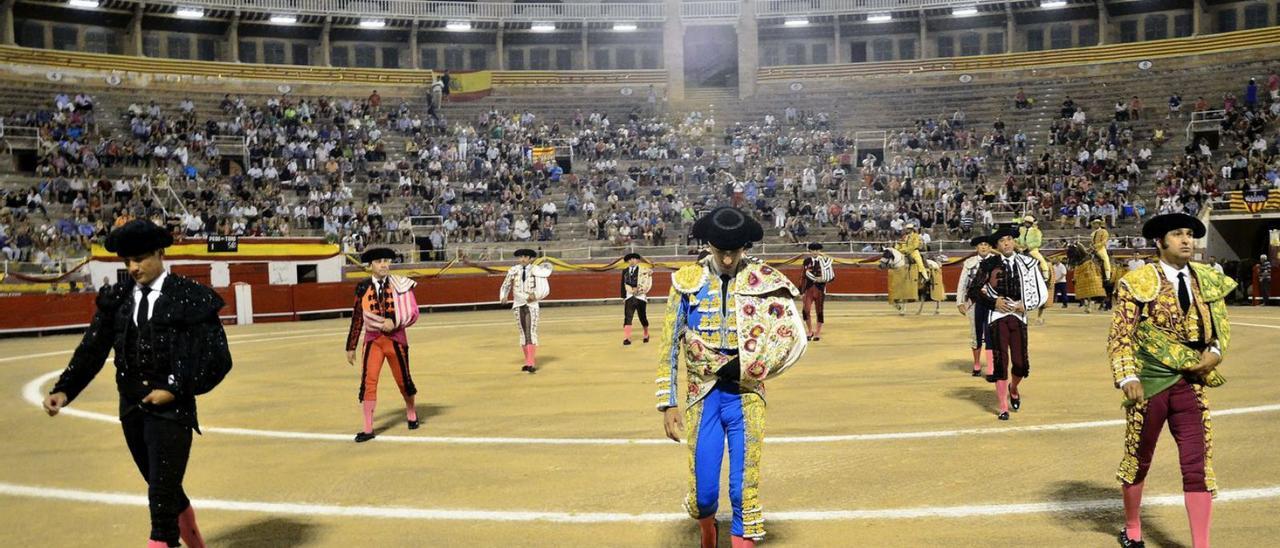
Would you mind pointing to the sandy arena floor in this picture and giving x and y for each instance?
(878, 437)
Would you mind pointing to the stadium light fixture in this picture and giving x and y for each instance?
(624, 27)
(189, 13)
(1053, 4)
(86, 4)
(543, 27)
(458, 25)
(879, 18)
(284, 19)
(799, 22)
(965, 11)
(373, 23)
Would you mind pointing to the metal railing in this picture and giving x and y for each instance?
(775, 8)
(430, 10)
(568, 11)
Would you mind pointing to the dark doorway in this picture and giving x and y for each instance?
(858, 52)
(711, 56)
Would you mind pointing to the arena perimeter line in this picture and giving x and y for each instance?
(34, 395)
(400, 512)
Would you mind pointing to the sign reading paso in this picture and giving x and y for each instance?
(1255, 201)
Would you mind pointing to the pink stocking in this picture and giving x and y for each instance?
(1199, 511)
(369, 405)
(1132, 510)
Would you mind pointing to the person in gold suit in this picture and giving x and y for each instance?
(1169, 335)
(910, 246)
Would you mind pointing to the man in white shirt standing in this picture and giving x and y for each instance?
(527, 286)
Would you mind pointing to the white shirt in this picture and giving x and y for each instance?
(155, 286)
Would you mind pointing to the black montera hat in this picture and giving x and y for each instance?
(1158, 226)
(137, 237)
(728, 228)
(376, 253)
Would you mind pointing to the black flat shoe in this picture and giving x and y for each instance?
(992, 378)
(413, 425)
(1015, 403)
(646, 340)
(977, 372)
(626, 342)
(362, 437)
(526, 369)
(1003, 416)
(817, 337)
(1125, 541)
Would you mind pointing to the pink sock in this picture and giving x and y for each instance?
(188, 530)
(708, 527)
(525, 349)
(1013, 387)
(626, 332)
(1002, 394)
(977, 359)
(533, 354)
(991, 362)
(646, 331)
(817, 333)
(1199, 511)
(1132, 510)
(740, 542)
(410, 410)
(368, 415)
(157, 544)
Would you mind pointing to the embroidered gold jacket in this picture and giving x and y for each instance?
(751, 316)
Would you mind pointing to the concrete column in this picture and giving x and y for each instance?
(415, 56)
(1010, 28)
(501, 60)
(586, 58)
(924, 37)
(326, 47)
(233, 39)
(1104, 23)
(1199, 19)
(8, 35)
(841, 52)
(133, 42)
(673, 50)
(748, 49)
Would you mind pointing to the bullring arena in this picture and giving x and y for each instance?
(322, 174)
(879, 437)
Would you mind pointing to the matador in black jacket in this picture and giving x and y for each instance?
(169, 347)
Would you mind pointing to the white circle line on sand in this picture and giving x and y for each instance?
(441, 514)
(34, 395)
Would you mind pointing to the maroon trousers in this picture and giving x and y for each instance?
(1008, 343)
(813, 298)
(1181, 407)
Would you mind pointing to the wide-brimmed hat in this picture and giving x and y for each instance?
(526, 252)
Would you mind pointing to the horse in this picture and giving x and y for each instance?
(1090, 287)
(904, 285)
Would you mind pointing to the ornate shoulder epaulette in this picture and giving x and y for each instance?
(971, 262)
(402, 284)
(689, 279)
(1143, 283)
(761, 279)
(1213, 286)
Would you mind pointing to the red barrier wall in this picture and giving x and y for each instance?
(287, 303)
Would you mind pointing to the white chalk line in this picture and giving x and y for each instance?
(441, 514)
(34, 395)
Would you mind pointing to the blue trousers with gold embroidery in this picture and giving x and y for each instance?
(725, 417)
